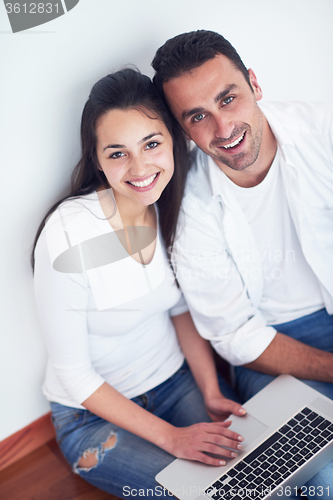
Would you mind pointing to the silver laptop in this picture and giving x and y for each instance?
(288, 438)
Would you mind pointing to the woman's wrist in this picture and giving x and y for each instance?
(212, 391)
(164, 435)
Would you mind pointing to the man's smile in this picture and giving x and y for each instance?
(234, 143)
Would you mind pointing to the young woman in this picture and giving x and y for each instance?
(123, 400)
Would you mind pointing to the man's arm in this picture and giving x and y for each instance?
(287, 355)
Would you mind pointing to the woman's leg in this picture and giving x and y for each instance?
(107, 456)
(118, 461)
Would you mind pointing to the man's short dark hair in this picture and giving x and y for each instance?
(188, 51)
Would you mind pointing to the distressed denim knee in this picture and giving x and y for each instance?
(94, 456)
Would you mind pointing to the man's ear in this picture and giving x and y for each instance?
(255, 85)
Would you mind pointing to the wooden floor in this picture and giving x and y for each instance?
(45, 475)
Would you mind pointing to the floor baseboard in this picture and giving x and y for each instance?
(25, 441)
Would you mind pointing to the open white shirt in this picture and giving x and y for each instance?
(215, 255)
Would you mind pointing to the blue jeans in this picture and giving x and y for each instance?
(316, 330)
(132, 463)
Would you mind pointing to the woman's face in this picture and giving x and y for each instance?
(135, 153)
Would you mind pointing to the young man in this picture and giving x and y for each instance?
(254, 251)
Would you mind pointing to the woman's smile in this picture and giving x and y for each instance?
(146, 183)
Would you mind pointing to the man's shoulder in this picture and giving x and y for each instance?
(307, 116)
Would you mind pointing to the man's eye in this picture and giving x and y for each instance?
(117, 154)
(198, 118)
(227, 100)
(152, 145)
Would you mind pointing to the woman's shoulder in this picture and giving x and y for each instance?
(75, 212)
(75, 220)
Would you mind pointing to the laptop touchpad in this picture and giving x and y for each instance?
(248, 427)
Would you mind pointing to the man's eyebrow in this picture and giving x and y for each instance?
(191, 112)
(144, 139)
(225, 92)
(194, 111)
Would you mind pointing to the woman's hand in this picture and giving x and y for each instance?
(219, 408)
(195, 441)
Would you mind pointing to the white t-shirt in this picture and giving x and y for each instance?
(107, 322)
(291, 289)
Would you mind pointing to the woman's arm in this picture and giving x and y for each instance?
(182, 442)
(199, 355)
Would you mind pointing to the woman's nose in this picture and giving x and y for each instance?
(138, 166)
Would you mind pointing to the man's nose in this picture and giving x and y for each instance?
(223, 127)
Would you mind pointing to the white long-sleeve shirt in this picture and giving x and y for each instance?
(109, 323)
(215, 254)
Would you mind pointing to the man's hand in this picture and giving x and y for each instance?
(219, 408)
(195, 441)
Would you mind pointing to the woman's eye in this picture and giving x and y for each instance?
(117, 154)
(227, 100)
(198, 118)
(152, 145)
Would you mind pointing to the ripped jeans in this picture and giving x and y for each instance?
(130, 463)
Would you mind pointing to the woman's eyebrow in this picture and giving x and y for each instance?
(114, 146)
(144, 139)
(150, 136)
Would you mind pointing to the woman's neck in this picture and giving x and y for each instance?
(125, 214)
(125, 218)
(135, 217)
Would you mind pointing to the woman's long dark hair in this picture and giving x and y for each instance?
(127, 89)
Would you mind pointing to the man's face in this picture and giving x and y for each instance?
(218, 110)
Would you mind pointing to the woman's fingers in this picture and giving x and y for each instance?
(195, 441)
(233, 407)
(224, 441)
(221, 428)
(219, 407)
(206, 459)
(218, 450)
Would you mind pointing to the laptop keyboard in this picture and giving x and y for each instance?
(275, 459)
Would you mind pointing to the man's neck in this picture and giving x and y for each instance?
(255, 173)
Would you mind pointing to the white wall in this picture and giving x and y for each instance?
(46, 75)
